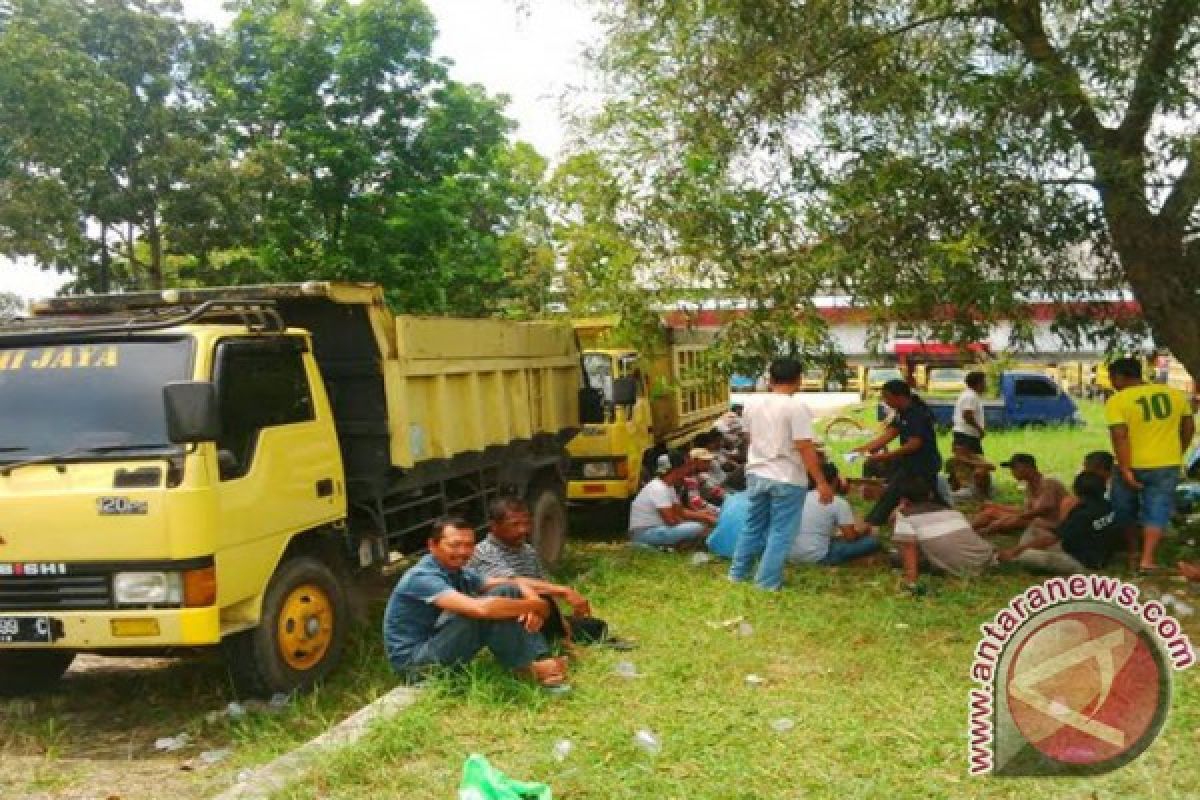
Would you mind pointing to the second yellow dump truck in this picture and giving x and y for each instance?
(648, 400)
(193, 469)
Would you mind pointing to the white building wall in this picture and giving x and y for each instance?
(852, 339)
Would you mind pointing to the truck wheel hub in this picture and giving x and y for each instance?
(305, 628)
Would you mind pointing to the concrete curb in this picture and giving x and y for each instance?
(263, 781)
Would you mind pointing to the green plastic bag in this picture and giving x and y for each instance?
(482, 781)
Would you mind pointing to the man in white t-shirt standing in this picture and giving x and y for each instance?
(969, 430)
(657, 518)
(780, 459)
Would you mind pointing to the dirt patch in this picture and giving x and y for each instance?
(95, 735)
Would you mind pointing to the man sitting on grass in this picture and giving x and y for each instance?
(442, 613)
(658, 518)
(1083, 542)
(1098, 462)
(1043, 496)
(506, 554)
(828, 534)
(928, 530)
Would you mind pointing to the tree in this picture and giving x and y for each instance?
(315, 139)
(944, 159)
(362, 159)
(103, 134)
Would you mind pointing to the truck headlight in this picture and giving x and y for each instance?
(599, 469)
(148, 588)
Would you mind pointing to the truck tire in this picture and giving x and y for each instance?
(31, 671)
(548, 511)
(301, 635)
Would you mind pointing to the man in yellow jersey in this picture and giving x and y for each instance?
(1151, 426)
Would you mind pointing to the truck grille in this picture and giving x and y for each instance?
(55, 592)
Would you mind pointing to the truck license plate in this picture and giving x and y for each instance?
(37, 630)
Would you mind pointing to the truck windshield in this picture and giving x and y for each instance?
(599, 369)
(66, 398)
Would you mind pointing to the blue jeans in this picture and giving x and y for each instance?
(843, 550)
(458, 639)
(771, 515)
(668, 535)
(1151, 505)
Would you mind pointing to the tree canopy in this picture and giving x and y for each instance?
(312, 139)
(944, 160)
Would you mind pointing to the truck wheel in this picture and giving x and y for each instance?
(301, 635)
(549, 514)
(32, 671)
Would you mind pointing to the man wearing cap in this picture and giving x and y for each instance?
(1043, 499)
(1084, 540)
(703, 491)
(658, 517)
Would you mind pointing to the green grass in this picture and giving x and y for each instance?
(875, 681)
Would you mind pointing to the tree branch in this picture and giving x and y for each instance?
(1177, 208)
(1023, 19)
(899, 30)
(1170, 20)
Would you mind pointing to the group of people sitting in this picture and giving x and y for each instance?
(793, 507)
(759, 491)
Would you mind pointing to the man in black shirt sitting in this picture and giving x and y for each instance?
(1083, 542)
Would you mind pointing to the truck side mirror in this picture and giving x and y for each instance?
(624, 391)
(191, 412)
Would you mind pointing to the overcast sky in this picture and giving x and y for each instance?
(531, 51)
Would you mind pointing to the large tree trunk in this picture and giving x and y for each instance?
(1162, 276)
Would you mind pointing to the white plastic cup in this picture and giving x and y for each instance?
(648, 742)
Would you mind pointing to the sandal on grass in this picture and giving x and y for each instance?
(547, 673)
(619, 644)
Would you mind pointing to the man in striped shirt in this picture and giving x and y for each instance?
(506, 553)
(942, 537)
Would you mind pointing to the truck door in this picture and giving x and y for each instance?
(1035, 398)
(280, 468)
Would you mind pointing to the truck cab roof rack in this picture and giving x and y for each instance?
(51, 325)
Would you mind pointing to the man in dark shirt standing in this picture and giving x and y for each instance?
(917, 454)
(1082, 543)
(442, 613)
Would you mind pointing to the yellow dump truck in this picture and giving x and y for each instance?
(666, 398)
(189, 469)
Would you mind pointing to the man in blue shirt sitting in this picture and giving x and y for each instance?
(442, 614)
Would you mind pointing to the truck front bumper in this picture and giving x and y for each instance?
(587, 489)
(124, 629)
